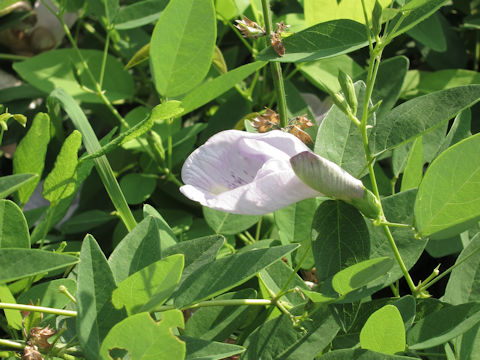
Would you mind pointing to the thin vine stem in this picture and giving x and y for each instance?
(210, 303)
(375, 58)
(104, 59)
(276, 69)
(42, 309)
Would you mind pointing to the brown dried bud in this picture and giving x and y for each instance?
(281, 28)
(299, 133)
(303, 122)
(249, 28)
(277, 44)
(38, 336)
(30, 352)
(265, 122)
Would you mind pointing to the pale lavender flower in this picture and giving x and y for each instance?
(245, 173)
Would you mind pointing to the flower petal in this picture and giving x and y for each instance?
(245, 173)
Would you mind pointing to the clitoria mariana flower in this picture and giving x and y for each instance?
(250, 173)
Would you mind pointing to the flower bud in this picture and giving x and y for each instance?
(348, 89)
(326, 177)
(331, 180)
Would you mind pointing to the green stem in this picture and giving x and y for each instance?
(258, 230)
(41, 309)
(276, 69)
(104, 59)
(399, 259)
(233, 302)
(67, 293)
(297, 268)
(375, 57)
(11, 344)
(425, 286)
(13, 57)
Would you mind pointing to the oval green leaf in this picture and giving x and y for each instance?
(384, 331)
(149, 287)
(419, 115)
(182, 45)
(320, 41)
(13, 226)
(55, 68)
(360, 274)
(443, 325)
(448, 198)
(140, 337)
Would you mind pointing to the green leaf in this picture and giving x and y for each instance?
(459, 130)
(86, 221)
(164, 230)
(96, 313)
(139, 57)
(228, 224)
(19, 263)
(430, 33)
(139, 13)
(447, 199)
(407, 307)
(324, 73)
(60, 182)
(227, 116)
(361, 354)
(464, 280)
(280, 339)
(186, 30)
(339, 238)
(443, 325)
(54, 69)
(360, 274)
(319, 11)
(13, 226)
(415, 16)
(198, 349)
(417, 116)
(217, 323)
(150, 287)
(384, 331)
(30, 154)
(228, 272)
(413, 4)
(320, 41)
(140, 337)
(339, 139)
(413, 173)
(197, 252)
(424, 82)
(141, 247)
(14, 317)
(137, 187)
(294, 224)
(212, 89)
(11, 183)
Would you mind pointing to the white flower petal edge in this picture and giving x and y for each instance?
(245, 173)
